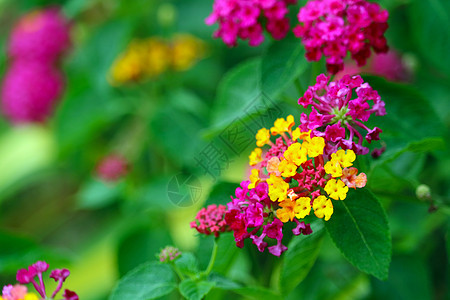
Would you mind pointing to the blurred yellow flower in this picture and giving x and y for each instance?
(149, 58)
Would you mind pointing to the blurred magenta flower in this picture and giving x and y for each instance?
(245, 19)
(30, 91)
(333, 27)
(42, 35)
(112, 167)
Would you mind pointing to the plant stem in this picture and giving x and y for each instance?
(212, 260)
(180, 275)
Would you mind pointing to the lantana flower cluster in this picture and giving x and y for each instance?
(149, 58)
(243, 19)
(169, 254)
(33, 84)
(288, 180)
(334, 27)
(34, 275)
(210, 220)
(339, 118)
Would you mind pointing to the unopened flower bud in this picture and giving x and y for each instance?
(423, 192)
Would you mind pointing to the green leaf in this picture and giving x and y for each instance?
(238, 89)
(425, 145)
(283, 62)
(226, 252)
(257, 292)
(431, 21)
(187, 263)
(359, 228)
(192, 290)
(409, 118)
(300, 257)
(148, 281)
(96, 194)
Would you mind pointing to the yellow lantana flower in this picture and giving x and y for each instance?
(336, 189)
(345, 158)
(186, 51)
(323, 207)
(262, 137)
(296, 154)
(254, 178)
(315, 146)
(333, 167)
(289, 209)
(277, 188)
(304, 205)
(255, 156)
(287, 168)
(281, 125)
(298, 134)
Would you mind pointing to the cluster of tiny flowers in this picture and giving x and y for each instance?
(33, 84)
(29, 275)
(333, 27)
(210, 220)
(242, 19)
(112, 167)
(149, 58)
(286, 182)
(169, 254)
(337, 117)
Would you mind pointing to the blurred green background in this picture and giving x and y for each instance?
(54, 207)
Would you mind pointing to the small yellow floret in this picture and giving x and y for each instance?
(287, 168)
(304, 205)
(281, 125)
(298, 134)
(254, 178)
(336, 189)
(323, 207)
(277, 188)
(315, 146)
(262, 137)
(345, 159)
(333, 168)
(296, 154)
(288, 211)
(255, 156)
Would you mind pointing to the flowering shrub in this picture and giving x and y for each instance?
(308, 215)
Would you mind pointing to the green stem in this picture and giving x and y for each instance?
(180, 275)
(212, 260)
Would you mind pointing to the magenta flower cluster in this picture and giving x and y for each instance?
(211, 220)
(33, 84)
(169, 254)
(338, 117)
(29, 275)
(249, 216)
(242, 19)
(112, 167)
(334, 27)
